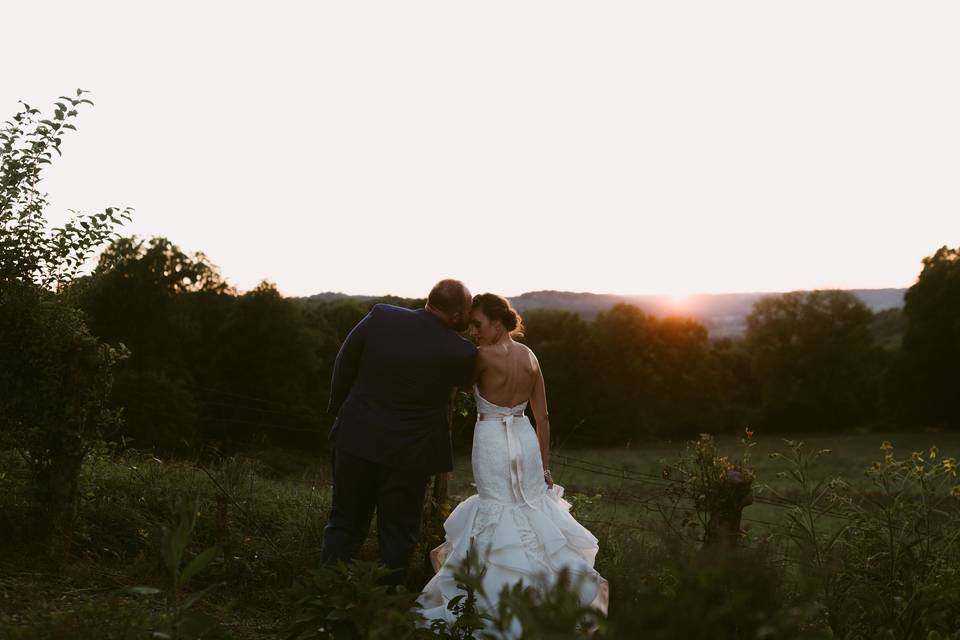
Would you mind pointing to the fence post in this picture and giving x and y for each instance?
(224, 535)
(725, 510)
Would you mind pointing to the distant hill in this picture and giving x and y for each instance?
(723, 314)
(330, 296)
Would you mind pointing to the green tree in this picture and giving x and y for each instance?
(927, 380)
(559, 339)
(815, 360)
(888, 327)
(55, 377)
(166, 307)
(269, 359)
(651, 377)
(55, 381)
(135, 296)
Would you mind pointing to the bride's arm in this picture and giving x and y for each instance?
(538, 403)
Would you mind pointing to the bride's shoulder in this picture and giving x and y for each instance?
(527, 352)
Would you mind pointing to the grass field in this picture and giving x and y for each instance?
(595, 481)
(279, 502)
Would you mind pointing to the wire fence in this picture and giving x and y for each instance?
(626, 497)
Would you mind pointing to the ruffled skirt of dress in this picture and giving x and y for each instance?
(515, 541)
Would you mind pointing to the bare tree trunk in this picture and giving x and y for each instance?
(60, 487)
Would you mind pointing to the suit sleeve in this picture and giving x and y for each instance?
(466, 373)
(347, 364)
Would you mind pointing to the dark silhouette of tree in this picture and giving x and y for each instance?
(268, 357)
(165, 307)
(928, 379)
(815, 360)
(651, 377)
(559, 338)
(888, 327)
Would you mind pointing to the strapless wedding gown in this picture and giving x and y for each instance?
(522, 529)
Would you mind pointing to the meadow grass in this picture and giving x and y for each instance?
(591, 482)
(282, 498)
(279, 502)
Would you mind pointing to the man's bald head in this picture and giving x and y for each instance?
(451, 300)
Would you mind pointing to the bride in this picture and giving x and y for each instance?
(518, 519)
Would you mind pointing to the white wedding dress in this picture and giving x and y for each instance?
(522, 529)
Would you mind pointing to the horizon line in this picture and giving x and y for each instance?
(621, 295)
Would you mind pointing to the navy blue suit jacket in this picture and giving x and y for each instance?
(391, 388)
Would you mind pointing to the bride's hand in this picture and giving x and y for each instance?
(548, 478)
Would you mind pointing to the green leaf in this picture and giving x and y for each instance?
(198, 564)
(172, 546)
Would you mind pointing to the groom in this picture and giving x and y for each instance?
(392, 383)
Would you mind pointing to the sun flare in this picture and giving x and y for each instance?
(678, 300)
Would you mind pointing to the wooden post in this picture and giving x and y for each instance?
(726, 510)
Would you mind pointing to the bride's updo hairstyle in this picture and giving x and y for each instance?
(498, 308)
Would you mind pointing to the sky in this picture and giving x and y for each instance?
(614, 147)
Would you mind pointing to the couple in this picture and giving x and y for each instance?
(392, 384)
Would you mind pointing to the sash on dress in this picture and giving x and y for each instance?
(508, 417)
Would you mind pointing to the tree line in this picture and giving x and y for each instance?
(208, 364)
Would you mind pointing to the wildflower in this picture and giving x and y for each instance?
(886, 446)
(888, 458)
(950, 466)
(955, 492)
(916, 456)
(933, 452)
(748, 432)
(919, 471)
(876, 466)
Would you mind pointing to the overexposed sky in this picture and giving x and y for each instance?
(614, 147)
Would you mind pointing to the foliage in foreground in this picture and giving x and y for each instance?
(181, 620)
(883, 562)
(845, 561)
(701, 598)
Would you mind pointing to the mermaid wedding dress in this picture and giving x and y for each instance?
(522, 529)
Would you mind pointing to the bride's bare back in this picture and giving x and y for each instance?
(506, 373)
